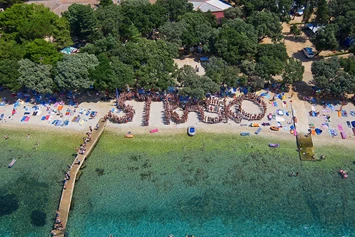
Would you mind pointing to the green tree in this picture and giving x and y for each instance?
(28, 22)
(322, 13)
(72, 73)
(175, 8)
(236, 40)
(124, 74)
(271, 59)
(267, 24)
(105, 3)
(295, 30)
(9, 74)
(325, 38)
(348, 64)
(82, 21)
(61, 34)
(233, 12)
(9, 49)
(194, 85)
(293, 71)
(110, 19)
(34, 76)
(40, 51)
(329, 76)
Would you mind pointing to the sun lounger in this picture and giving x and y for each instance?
(343, 135)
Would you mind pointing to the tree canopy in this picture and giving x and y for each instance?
(329, 76)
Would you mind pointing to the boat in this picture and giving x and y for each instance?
(275, 145)
(243, 134)
(258, 131)
(129, 135)
(12, 163)
(274, 128)
(191, 131)
(265, 124)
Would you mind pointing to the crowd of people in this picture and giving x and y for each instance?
(127, 109)
(146, 111)
(172, 102)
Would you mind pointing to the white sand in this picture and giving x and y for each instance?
(156, 120)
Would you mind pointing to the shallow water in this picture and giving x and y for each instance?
(30, 190)
(217, 185)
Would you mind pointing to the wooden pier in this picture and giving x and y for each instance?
(67, 193)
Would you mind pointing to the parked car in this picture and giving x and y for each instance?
(308, 52)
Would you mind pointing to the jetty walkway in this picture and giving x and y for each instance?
(67, 193)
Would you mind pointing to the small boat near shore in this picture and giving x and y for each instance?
(12, 163)
(275, 145)
(191, 131)
(274, 128)
(244, 134)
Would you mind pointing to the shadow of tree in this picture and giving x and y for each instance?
(296, 39)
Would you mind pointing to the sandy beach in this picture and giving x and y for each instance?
(300, 108)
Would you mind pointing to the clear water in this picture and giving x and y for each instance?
(30, 190)
(210, 186)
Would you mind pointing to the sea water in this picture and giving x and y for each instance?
(210, 185)
(30, 190)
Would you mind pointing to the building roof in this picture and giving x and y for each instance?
(209, 5)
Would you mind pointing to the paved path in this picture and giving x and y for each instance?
(67, 194)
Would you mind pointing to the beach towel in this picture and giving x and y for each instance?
(74, 119)
(340, 127)
(88, 113)
(339, 113)
(28, 118)
(77, 119)
(60, 107)
(313, 132)
(332, 132)
(66, 122)
(330, 106)
(275, 104)
(55, 121)
(2, 104)
(43, 118)
(47, 117)
(153, 130)
(353, 124)
(344, 113)
(343, 135)
(81, 123)
(23, 118)
(56, 104)
(352, 113)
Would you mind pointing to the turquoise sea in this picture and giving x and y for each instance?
(156, 185)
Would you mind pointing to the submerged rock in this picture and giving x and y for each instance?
(38, 218)
(8, 204)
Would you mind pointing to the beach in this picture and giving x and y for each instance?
(216, 183)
